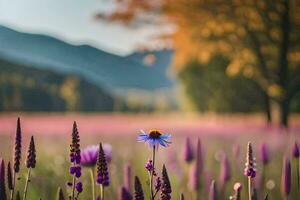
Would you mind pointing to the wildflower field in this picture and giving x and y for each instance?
(147, 157)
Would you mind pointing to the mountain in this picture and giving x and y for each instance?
(139, 71)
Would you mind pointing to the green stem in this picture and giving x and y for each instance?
(101, 192)
(13, 189)
(92, 182)
(151, 174)
(73, 187)
(249, 188)
(26, 184)
(298, 172)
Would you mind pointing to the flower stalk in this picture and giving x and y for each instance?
(92, 182)
(30, 164)
(17, 156)
(250, 170)
(152, 174)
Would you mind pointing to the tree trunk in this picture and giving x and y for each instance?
(268, 113)
(284, 106)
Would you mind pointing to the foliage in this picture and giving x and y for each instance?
(210, 89)
(29, 89)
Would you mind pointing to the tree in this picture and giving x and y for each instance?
(260, 37)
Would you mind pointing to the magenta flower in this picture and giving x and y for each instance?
(89, 154)
(188, 153)
(295, 150)
(286, 177)
(264, 154)
(225, 170)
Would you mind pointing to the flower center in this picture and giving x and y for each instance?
(154, 134)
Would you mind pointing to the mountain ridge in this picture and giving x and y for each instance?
(103, 69)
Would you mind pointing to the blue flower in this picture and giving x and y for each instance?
(155, 138)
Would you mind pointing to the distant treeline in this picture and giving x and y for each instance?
(210, 88)
(29, 89)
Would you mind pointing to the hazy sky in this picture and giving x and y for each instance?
(72, 21)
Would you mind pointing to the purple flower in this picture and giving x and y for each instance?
(250, 169)
(188, 153)
(78, 187)
(286, 177)
(295, 150)
(69, 184)
(264, 154)
(149, 165)
(157, 184)
(225, 170)
(31, 155)
(18, 147)
(9, 177)
(199, 156)
(138, 190)
(195, 171)
(89, 154)
(155, 138)
(2, 181)
(75, 146)
(124, 194)
(102, 169)
(166, 189)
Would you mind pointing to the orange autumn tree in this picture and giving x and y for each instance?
(260, 37)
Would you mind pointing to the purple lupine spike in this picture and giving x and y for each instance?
(250, 169)
(31, 155)
(127, 177)
(196, 169)
(75, 156)
(286, 177)
(264, 154)
(295, 150)
(138, 192)
(9, 177)
(102, 169)
(157, 184)
(188, 153)
(2, 181)
(124, 194)
(225, 170)
(166, 189)
(213, 195)
(199, 156)
(18, 147)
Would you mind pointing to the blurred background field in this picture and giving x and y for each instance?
(226, 72)
(218, 135)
